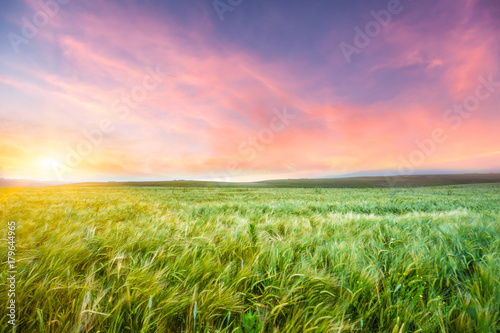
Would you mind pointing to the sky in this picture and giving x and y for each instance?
(242, 90)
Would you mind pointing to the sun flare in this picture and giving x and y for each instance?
(49, 163)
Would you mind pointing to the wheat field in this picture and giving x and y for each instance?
(153, 259)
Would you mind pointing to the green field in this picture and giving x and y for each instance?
(146, 259)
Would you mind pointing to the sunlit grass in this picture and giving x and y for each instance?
(292, 260)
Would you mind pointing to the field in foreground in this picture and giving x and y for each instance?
(222, 260)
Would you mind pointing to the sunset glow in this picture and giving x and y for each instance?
(136, 90)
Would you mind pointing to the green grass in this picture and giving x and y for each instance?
(121, 259)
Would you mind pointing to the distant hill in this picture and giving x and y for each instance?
(27, 183)
(344, 182)
(360, 182)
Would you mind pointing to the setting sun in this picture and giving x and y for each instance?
(49, 163)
